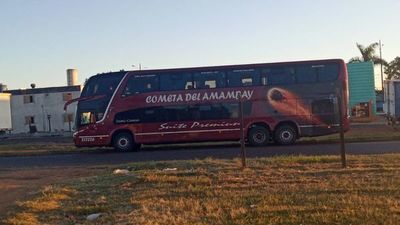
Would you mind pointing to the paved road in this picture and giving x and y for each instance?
(224, 152)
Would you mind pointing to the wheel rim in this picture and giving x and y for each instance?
(286, 136)
(123, 142)
(259, 137)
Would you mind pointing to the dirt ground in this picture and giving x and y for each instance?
(16, 185)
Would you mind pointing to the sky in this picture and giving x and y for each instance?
(40, 39)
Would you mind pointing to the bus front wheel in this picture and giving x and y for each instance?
(258, 136)
(285, 135)
(123, 142)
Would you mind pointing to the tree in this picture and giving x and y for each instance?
(368, 55)
(393, 69)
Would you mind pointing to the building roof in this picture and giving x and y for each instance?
(44, 90)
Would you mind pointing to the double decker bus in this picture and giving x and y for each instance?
(281, 102)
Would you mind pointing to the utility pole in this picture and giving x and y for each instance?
(242, 144)
(341, 133)
(339, 99)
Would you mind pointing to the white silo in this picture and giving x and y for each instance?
(72, 77)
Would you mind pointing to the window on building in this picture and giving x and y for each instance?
(28, 99)
(29, 120)
(67, 96)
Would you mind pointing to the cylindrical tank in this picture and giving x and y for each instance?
(72, 77)
(3, 87)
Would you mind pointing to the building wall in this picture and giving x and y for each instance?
(43, 104)
(5, 112)
(361, 84)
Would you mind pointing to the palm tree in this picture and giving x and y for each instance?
(368, 55)
(393, 69)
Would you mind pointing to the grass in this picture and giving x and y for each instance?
(278, 190)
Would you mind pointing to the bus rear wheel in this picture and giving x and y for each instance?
(285, 135)
(123, 142)
(258, 136)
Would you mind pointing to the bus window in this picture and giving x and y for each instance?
(279, 75)
(181, 113)
(324, 106)
(189, 85)
(175, 81)
(210, 84)
(328, 73)
(245, 77)
(87, 118)
(141, 84)
(213, 79)
(306, 74)
(247, 81)
(263, 79)
(102, 85)
(324, 110)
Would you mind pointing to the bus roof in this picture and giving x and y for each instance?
(222, 67)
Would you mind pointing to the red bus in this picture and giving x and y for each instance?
(281, 103)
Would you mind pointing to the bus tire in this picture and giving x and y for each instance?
(258, 136)
(123, 142)
(285, 135)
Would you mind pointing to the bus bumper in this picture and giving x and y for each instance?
(91, 141)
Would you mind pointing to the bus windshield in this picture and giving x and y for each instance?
(93, 109)
(104, 85)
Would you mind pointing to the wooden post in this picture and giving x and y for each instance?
(341, 132)
(242, 145)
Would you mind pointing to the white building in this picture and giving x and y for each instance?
(42, 109)
(5, 112)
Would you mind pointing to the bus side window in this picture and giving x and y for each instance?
(263, 80)
(280, 76)
(175, 81)
(141, 84)
(328, 73)
(306, 74)
(189, 85)
(247, 81)
(323, 106)
(213, 79)
(210, 84)
(243, 78)
(87, 118)
(264, 76)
